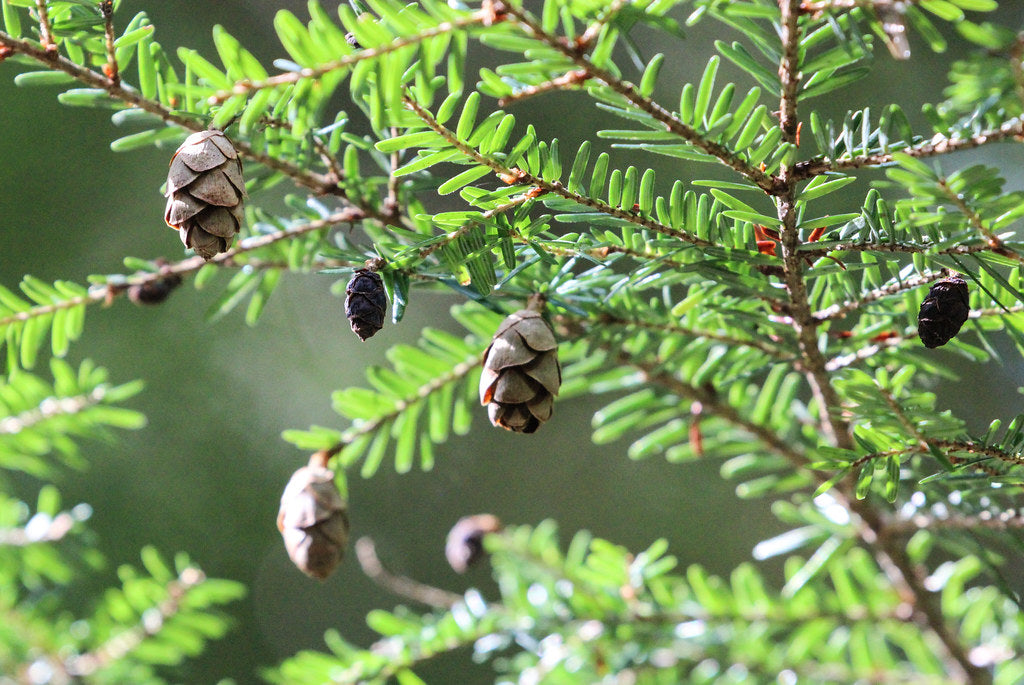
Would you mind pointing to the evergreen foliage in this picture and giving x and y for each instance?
(745, 315)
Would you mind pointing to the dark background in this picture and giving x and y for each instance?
(206, 474)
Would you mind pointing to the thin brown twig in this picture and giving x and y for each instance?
(466, 227)
(992, 240)
(403, 586)
(901, 416)
(104, 293)
(111, 68)
(568, 80)
(1004, 520)
(840, 310)
(45, 33)
(952, 446)
(591, 33)
(811, 251)
(49, 408)
(335, 173)
(804, 323)
(821, 5)
(939, 145)
(906, 576)
(844, 360)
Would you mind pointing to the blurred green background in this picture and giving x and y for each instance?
(206, 474)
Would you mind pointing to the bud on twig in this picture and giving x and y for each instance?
(464, 546)
(366, 303)
(521, 373)
(313, 521)
(205, 190)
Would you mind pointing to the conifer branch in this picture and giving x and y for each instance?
(518, 175)
(568, 80)
(951, 447)
(812, 6)
(318, 183)
(606, 318)
(991, 239)
(812, 251)
(247, 87)
(56, 528)
(641, 102)
(104, 293)
(111, 67)
(841, 309)
(805, 325)
(1001, 521)
(390, 658)
(49, 408)
(124, 643)
(891, 555)
(458, 372)
(44, 309)
(939, 145)
(842, 361)
(716, 406)
(45, 34)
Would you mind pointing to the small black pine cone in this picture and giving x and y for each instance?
(154, 292)
(365, 303)
(943, 312)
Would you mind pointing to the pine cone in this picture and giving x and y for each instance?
(521, 373)
(365, 303)
(204, 193)
(313, 521)
(464, 546)
(154, 292)
(943, 312)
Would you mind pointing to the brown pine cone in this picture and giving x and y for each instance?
(205, 192)
(521, 373)
(313, 521)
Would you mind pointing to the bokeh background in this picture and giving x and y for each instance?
(206, 474)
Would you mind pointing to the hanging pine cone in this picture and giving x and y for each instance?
(943, 312)
(205, 190)
(313, 521)
(521, 373)
(464, 546)
(366, 303)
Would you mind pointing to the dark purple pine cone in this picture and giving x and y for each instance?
(943, 312)
(366, 303)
